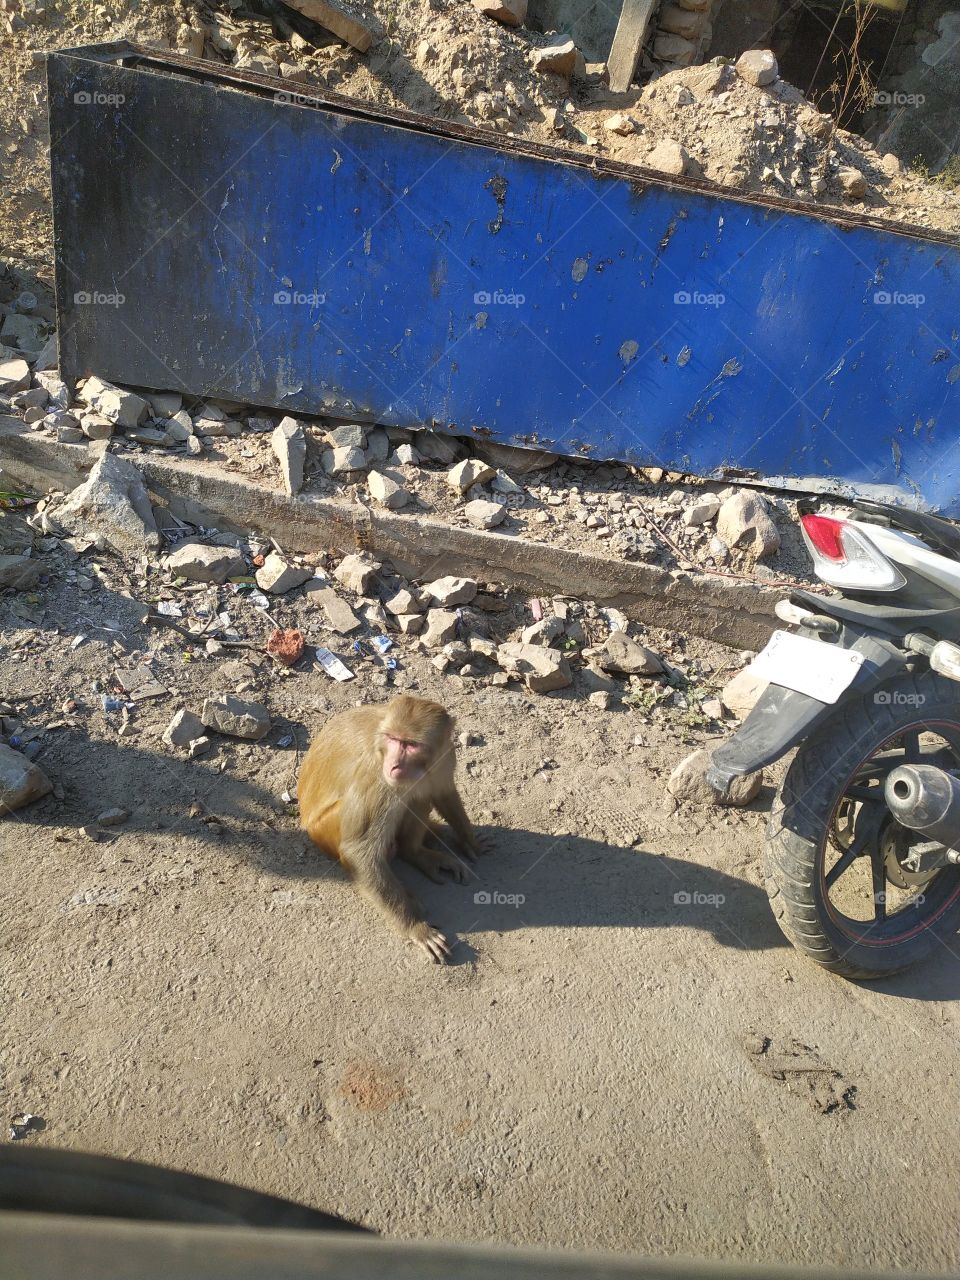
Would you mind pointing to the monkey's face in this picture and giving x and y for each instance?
(404, 761)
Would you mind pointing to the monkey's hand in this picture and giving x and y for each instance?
(431, 941)
(433, 862)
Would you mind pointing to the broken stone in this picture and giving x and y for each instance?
(621, 124)
(406, 455)
(278, 577)
(229, 714)
(290, 446)
(165, 403)
(450, 591)
(679, 21)
(378, 445)
(403, 601)
(623, 656)
(147, 435)
(512, 13)
(469, 472)
(176, 432)
(112, 817)
(384, 489)
(199, 745)
(815, 123)
(343, 461)
(350, 436)
(95, 427)
(677, 50)
(357, 573)
(501, 483)
(340, 617)
(441, 627)
(741, 693)
(216, 427)
(122, 408)
(19, 572)
(58, 393)
(712, 708)
(483, 514)
(744, 521)
(69, 435)
(21, 781)
(542, 670)
(199, 562)
(14, 376)
(24, 331)
(114, 504)
(543, 632)
(286, 644)
(669, 156)
(852, 183)
(411, 623)
(757, 67)
(602, 699)
(702, 511)
(183, 729)
(559, 57)
(688, 782)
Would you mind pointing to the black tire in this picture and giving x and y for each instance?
(802, 818)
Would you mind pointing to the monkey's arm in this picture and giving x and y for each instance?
(432, 862)
(450, 807)
(365, 858)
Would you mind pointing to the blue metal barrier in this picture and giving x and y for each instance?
(220, 235)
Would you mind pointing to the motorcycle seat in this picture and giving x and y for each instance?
(938, 533)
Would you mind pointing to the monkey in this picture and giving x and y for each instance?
(368, 785)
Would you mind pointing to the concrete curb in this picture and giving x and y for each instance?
(739, 614)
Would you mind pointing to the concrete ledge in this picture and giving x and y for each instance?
(735, 613)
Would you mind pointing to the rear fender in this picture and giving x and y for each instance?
(782, 718)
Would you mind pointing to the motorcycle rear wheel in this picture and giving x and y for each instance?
(832, 842)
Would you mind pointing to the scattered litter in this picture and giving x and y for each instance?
(536, 608)
(76, 642)
(110, 703)
(139, 684)
(382, 644)
(332, 665)
(169, 609)
(286, 797)
(24, 1123)
(286, 740)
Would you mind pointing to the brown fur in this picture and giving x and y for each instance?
(350, 811)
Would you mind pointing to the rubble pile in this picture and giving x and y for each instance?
(740, 126)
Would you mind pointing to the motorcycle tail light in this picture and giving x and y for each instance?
(844, 556)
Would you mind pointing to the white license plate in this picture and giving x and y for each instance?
(821, 671)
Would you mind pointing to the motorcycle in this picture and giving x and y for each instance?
(861, 858)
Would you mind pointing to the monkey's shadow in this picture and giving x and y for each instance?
(527, 880)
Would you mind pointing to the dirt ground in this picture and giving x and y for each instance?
(198, 988)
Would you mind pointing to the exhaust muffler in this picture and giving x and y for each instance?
(927, 800)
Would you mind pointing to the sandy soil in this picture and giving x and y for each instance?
(198, 988)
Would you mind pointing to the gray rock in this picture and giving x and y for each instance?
(200, 562)
(385, 489)
(345, 460)
(512, 13)
(559, 57)
(441, 627)
(122, 408)
(688, 782)
(403, 601)
(340, 617)
(21, 781)
(290, 445)
(543, 632)
(623, 656)
(165, 403)
(95, 427)
(14, 376)
(469, 472)
(58, 393)
(378, 445)
(757, 67)
(19, 572)
(702, 511)
(147, 435)
(450, 591)
(183, 729)
(25, 331)
(741, 692)
(406, 455)
(501, 483)
(69, 435)
(744, 521)
(278, 577)
(358, 573)
(112, 503)
(541, 669)
(483, 514)
(231, 715)
(349, 436)
(668, 156)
